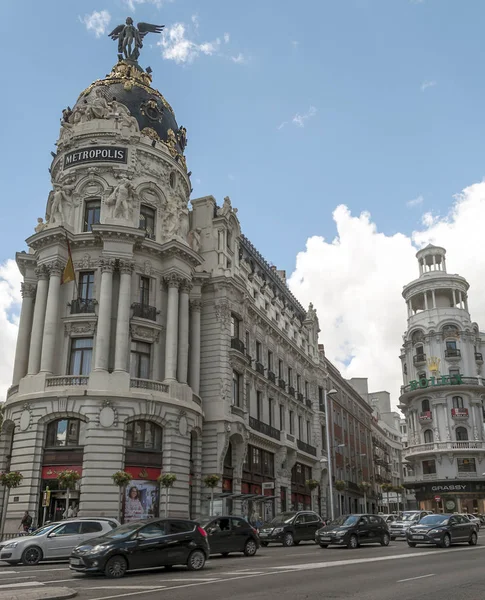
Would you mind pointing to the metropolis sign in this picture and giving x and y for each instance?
(436, 381)
(96, 154)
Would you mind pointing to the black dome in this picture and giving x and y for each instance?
(128, 84)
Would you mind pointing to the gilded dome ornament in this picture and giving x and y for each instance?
(151, 133)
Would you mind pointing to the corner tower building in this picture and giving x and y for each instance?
(442, 396)
(169, 345)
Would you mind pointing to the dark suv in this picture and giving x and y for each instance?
(291, 528)
(443, 530)
(141, 545)
(354, 530)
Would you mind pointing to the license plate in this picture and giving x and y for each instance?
(75, 561)
(418, 537)
(326, 538)
(263, 534)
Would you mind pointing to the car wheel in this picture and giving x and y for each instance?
(250, 548)
(385, 540)
(196, 560)
(323, 545)
(31, 556)
(115, 567)
(411, 544)
(473, 539)
(446, 541)
(353, 542)
(288, 540)
(264, 544)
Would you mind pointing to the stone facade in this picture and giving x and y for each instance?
(442, 395)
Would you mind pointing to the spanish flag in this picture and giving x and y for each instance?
(68, 273)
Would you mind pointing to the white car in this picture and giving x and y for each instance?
(398, 529)
(54, 540)
(473, 519)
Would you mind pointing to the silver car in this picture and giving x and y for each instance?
(54, 540)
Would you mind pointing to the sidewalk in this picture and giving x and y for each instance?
(39, 593)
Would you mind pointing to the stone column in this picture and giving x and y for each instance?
(25, 327)
(101, 359)
(38, 320)
(122, 346)
(454, 297)
(51, 318)
(194, 376)
(434, 298)
(183, 342)
(171, 339)
(425, 300)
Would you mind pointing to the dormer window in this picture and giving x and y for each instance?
(147, 221)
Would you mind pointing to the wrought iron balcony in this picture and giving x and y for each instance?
(300, 396)
(306, 447)
(271, 376)
(419, 359)
(426, 415)
(291, 390)
(83, 305)
(478, 356)
(459, 413)
(264, 428)
(282, 384)
(237, 344)
(308, 402)
(259, 367)
(452, 353)
(144, 311)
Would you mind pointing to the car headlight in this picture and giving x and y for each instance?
(434, 531)
(340, 533)
(11, 545)
(97, 549)
(278, 530)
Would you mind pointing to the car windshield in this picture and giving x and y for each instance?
(282, 518)
(410, 516)
(434, 520)
(345, 521)
(44, 529)
(122, 531)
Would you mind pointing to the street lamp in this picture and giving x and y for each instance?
(331, 392)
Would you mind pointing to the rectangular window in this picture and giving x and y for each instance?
(308, 432)
(292, 422)
(248, 395)
(246, 464)
(452, 371)
(147, 221)
(290, 376)
(86, 285)
(259, 406)
(247, 343)
(307, 390)
(280, 368)
(324, 437)
(271, 411)
(140, 360)
(282, 417)
(236, 388)
(429, 467)
(300, 428)
(145, 291)
(298, 382)
(466, 465)
(92, 211)
(234, 326)
(457, 402)
(451, 345)
(256, 459)
(270, 360)
(81, 355)
(259, 351)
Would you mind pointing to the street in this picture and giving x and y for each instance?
(306, 571)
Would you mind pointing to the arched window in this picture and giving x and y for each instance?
(420, 356)
(457, 402)
(144, 435)
(461, 434)
(63, 433)
(428, 436)
(425, 405)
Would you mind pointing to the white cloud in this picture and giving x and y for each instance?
(97, 22)
(227, 38)
(355, 281)
(132, 4)
(428, 84)
(415, 201)
(239, 59)
(178, 47)
(299, 120)
(282, 124)
(10, 299)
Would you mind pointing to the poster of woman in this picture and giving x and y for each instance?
(141, 500)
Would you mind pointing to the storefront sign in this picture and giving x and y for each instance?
(141, 500)
(145, 473)
(436, 381)
(449, 488)
(268, 485)
(96, 154)
(437, 498)
(53, 472)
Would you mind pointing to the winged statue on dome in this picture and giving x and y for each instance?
(130, 38)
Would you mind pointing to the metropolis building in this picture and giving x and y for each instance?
(174, 348)
(443, 392)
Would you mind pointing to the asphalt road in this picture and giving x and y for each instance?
(303, 572)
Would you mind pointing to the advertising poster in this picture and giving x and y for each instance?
(141, 500)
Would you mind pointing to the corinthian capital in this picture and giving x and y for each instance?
(173, 280)
(126, 266)
(107, 265)
(27, 290)
(196, 305)
(42, 272)
(55, 268)
(185, 286)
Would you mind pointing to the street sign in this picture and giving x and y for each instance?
(268, 485)
(437, 498)
(46, 498)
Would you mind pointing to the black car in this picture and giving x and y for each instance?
(231, 534)
(354, 530)
(291, 528)
(143, 544)
(443, 530)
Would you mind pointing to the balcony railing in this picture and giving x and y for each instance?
(444, 447)
(282, 384)
(259, 367)
(426, 415)
(478, 356)
(308, 402)
(459, 413)
(304, 447)
(148, 384)
(419, 359)
(66, 380)
(83, 305)
(452, 353)
(300, 396)
(237, 344)
(291, 390)
(271, 376)
(144, 311)
(290, 437)
(264, 428)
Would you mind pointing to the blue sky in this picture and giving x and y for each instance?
(292, 109)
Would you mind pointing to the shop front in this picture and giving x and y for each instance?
(258, 485)
(300, 494)
(53, 499)
(141, 499)
(452, 496)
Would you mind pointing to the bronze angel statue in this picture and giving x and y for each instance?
(130, 38)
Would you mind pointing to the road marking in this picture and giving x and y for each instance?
(413, 578)
(24, 584)
(7, 572)
(194, 579)
(243, 572)
(125, 587)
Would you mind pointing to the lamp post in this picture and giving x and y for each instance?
(331, 392)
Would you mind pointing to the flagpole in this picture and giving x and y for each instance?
(70, 264)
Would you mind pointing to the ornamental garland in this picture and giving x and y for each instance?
(12, 479)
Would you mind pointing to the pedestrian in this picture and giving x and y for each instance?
(26, 522)
(70, 513)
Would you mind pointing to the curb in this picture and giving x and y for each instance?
(38, 593)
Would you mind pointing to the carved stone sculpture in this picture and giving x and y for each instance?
(194, 239)
(40, 225)
(226, 208)
(59, 198)
(130, 38)
(120, 198)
